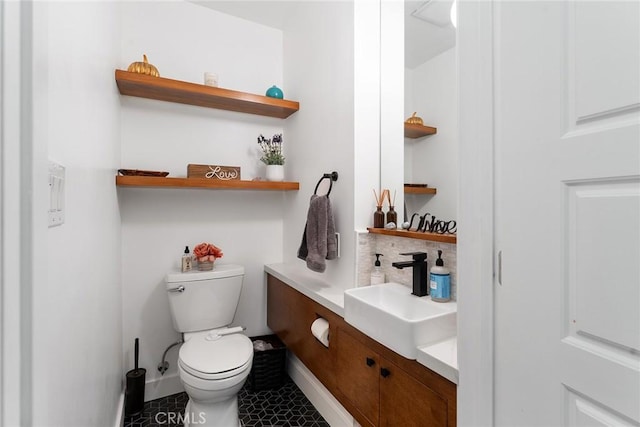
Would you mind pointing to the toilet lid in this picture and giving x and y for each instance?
(226, 353)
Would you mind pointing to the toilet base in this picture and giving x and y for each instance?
(219, 414)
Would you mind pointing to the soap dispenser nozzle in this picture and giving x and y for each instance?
(377, 263)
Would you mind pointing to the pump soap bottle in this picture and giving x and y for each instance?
(377, 276)
(187, 261)
(440, 281)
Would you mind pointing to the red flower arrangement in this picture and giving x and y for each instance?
(207, 252)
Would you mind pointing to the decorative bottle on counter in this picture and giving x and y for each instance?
(187, 260)
(440, 281)
(378, 218)
(377, 275)
(392, 216)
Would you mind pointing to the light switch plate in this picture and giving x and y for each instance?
(56, 194)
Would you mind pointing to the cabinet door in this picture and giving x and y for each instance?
(279, 299)
(290, 315)
(319, 359)
(404, 402)
(358, 376)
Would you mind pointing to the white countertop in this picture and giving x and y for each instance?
(311, 284)
(441, 357)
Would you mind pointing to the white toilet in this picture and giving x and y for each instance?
(212, 366)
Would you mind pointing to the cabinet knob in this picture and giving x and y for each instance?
(385, 372)
(370, 361)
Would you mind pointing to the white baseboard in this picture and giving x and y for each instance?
(332, 411)
(161, 387)
(120, 412)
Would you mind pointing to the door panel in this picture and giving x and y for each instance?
(358, 372)
(603, 274)
(404, 402)
(567, 125)
(605, 57)
(585, 412)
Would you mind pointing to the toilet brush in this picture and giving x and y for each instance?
(134, 394)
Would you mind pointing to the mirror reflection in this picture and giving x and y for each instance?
(430, 161)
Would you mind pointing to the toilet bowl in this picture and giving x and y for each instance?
(214, 361)
(212, 372)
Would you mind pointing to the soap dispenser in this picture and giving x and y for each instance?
(377, 276)
(187, 260)
(440, 281)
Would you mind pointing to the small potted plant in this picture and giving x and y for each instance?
(272, 156)
(206, 254)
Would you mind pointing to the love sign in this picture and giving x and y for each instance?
(225, 173)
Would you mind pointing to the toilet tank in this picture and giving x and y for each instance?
(201, 300)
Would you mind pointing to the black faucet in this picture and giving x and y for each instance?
(419, 264)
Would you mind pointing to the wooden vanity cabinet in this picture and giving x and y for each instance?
(290, 315)
(382, 392)
(358, 369)
(376, 385)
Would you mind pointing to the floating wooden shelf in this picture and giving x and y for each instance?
(143, 86)
(151, 181)
(434, 237)
(419, 190)
(418, 131)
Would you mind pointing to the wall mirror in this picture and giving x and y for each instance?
(430, 90)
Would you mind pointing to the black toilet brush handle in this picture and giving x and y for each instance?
(137, 352)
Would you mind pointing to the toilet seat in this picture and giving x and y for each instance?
(224, 357)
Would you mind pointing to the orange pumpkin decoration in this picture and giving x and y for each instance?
(414, 120)
(144, 68)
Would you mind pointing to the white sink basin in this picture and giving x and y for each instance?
(389, 314)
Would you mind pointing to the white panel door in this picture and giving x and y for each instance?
(567, 124)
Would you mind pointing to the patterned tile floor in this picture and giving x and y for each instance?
(284, 407)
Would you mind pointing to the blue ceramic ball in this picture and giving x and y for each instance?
(275, 92)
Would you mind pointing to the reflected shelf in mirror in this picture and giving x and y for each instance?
(415, 131)
(414, 189)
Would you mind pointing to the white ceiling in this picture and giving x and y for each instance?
(423, 40)
(266, 12)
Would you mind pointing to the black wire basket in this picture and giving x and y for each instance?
(269, 366)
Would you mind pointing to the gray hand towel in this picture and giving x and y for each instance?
(319, 240)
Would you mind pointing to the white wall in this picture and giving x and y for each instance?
(367, 89)
(434, 159)
(391, 103)
(77, 323)
(184, 40)
(318, 72)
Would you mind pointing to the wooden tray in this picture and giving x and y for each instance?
(138, 172)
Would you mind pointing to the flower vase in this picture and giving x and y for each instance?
(205, 265)
(275, 172)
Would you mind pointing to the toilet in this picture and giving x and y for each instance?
(214, 361)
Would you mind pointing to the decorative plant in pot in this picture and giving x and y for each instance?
(272, 156)
(206, 254)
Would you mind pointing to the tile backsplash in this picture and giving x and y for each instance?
(391, 247)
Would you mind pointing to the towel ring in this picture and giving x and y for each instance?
(333, 176)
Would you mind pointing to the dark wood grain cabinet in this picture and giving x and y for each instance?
(358, 369)
(376, 385)
(382, 392)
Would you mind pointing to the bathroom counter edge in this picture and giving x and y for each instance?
(441, 357)
(308, 284)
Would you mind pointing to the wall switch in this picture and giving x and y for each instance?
(56, 194)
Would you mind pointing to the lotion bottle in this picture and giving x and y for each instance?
(440, 281)
(377, 276)
(187, 260)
